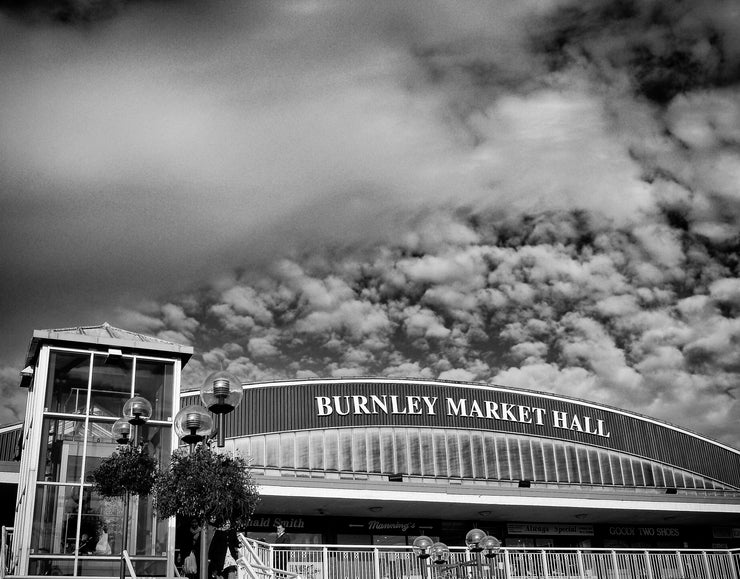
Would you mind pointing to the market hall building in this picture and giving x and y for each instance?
(365, 461)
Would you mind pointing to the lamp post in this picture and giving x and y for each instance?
(136, 412)
(422, 547)
(476, 540)
(193, 425)
(221, 392)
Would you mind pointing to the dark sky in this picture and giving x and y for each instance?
(537, 194)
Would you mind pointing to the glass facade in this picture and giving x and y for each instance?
(458, 454)
(75, 531)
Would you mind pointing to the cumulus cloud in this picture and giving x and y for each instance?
(536, 194)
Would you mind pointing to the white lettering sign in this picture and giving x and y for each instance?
(359, 404)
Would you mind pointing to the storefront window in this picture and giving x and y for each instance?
(70, 520)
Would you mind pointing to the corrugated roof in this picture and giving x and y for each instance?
(105, 335)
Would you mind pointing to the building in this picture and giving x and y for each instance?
(359, 461)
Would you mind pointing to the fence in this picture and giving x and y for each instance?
(260, 560)
(360, 562)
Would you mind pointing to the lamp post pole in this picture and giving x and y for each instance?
(136, 412)
(193, 425)
(221, 392)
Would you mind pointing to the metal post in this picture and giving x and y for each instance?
(648, 565)
(124, 534)
(203, 570)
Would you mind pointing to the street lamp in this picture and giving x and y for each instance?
(221, 392)
(137, 410)
(422, 547)
(121, 431)
(193, 424)
(490, 546)
(440, 553)
(475, 540)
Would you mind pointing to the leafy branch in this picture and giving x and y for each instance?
(207, 486)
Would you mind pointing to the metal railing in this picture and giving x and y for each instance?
(363, 562)
(259, 560)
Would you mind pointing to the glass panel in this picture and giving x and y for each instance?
(360, 450)
(502, 452)
(414, 447)
(426, 446)
(373, 450)
(561, 464)
(593, 465)
(583, 468)
(489, 443)
(525, 451)
(316, 456)
(287, 450)
(272, 451)
(658, 475)
(301, 450)
(111, 385)
(637, 472)
(55, 519)
(627, 475)
(154, 381)
(147, 534)
(648, 473)
(453, 454)
(440, 454)
(60, 459)
(387, 455)
(616, 469)
(605, 468)
(100, 445)
(515, 459)
(345, 452)
(574, 469)
(478, 456)
(330, 450)
(400, 450)
(538, 461)
(466, 462)
(66, 389)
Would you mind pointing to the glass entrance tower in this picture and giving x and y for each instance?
(79, 380)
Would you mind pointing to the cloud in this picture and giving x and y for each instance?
(541, 194)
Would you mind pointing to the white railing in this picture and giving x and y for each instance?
(364, 562)
(259, 560)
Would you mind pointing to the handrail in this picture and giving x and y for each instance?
(256, 562)
(129, 564)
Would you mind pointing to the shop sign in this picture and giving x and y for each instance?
(726, 532)
(549, 529)
(360, 404)
(271, 522)
(400, 526)
(642, 532)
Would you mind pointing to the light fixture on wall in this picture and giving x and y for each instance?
(375, 509)
(484, 513)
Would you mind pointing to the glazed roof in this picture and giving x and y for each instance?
(105, 335)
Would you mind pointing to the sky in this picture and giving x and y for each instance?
(536, 193)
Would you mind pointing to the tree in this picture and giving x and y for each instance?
(210, 487)
(130, 470)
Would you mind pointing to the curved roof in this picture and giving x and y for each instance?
(665, 453)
